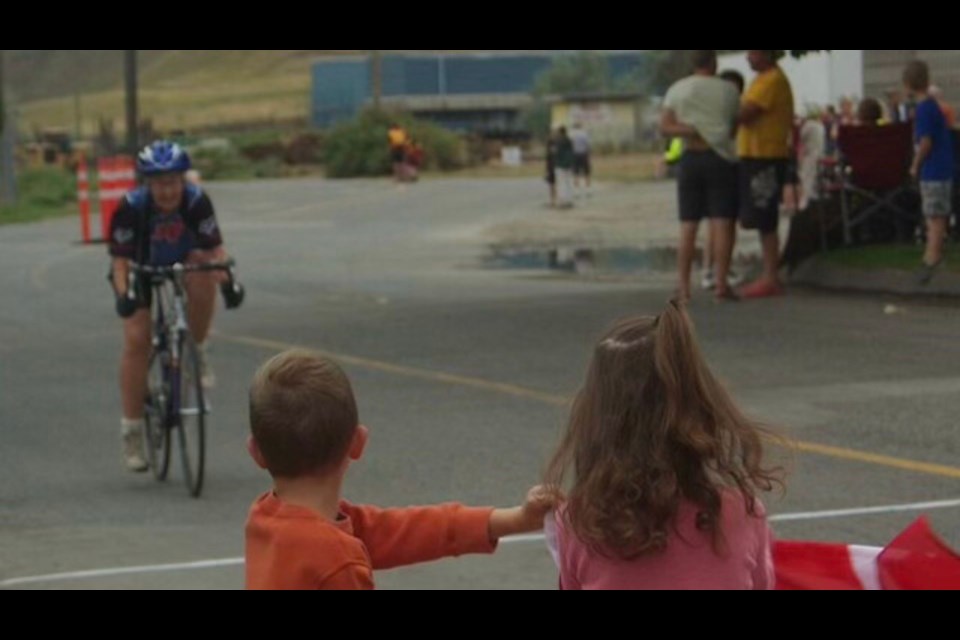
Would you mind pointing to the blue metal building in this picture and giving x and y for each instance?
(479, 92)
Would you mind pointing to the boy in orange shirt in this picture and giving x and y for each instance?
(302, 535)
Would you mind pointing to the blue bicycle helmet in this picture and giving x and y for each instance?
(163, 157)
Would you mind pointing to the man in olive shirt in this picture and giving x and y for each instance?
(764, 144)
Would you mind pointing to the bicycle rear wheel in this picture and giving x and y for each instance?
(190, 415)
(156, 405)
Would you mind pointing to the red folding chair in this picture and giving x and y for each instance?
(871, 176)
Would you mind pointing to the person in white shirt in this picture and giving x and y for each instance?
(582, 168)
(702, 109)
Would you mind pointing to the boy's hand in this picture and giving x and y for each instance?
(525, 519)
(541, 500)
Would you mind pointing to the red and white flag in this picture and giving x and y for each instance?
(918, 560)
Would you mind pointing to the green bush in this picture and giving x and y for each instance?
(269, 168)
(256, 137)
(445, 150)
(292, 147)
(305, 148)
(42, 193)
(265, 151)
(47, 188)
(222, 164)
(359, 147)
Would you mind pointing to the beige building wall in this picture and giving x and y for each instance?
(883, 70)
(609, 122)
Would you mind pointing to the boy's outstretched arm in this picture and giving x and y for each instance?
(400, 537)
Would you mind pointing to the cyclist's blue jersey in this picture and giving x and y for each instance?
(140, 233)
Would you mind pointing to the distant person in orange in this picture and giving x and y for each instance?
(398, 138)
(302, 535)
(413, 160)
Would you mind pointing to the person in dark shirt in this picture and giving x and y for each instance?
(166, 221)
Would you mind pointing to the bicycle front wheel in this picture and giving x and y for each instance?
(191, 414)
(156, 412)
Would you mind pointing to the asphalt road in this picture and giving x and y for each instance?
(461, 373)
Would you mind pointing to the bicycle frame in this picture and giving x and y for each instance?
(170, 319)
(179, 404)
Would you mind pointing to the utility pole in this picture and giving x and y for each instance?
(77, 117)
(133, 118)
(3, 102)
(8, 178)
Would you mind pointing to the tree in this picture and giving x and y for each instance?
(583, 72)
(669, 65)
(796, 53)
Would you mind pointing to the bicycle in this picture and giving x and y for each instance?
(175, 395)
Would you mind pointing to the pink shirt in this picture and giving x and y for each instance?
(689, 562)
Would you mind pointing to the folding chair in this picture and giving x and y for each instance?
(871, 177)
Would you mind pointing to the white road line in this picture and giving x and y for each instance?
(867, 511)
(110, 573)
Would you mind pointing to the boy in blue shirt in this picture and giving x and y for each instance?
(933, 165)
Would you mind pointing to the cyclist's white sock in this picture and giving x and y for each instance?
(131, 426)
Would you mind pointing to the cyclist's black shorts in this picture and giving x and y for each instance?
(144, 292)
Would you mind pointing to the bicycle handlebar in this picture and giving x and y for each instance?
(233, 292)
(180, 268)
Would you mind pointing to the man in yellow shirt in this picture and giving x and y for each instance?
(765, 145)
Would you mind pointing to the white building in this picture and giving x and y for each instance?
(825, 78)
(818, 79)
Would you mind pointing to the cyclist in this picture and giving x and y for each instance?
(166, 221)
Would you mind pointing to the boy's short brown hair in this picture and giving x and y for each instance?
(916, 76)
(303, 414)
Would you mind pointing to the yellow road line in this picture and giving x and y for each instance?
(515, 391)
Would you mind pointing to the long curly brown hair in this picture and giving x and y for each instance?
(650, 429)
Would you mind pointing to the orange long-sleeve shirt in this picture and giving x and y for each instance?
(294, 548)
